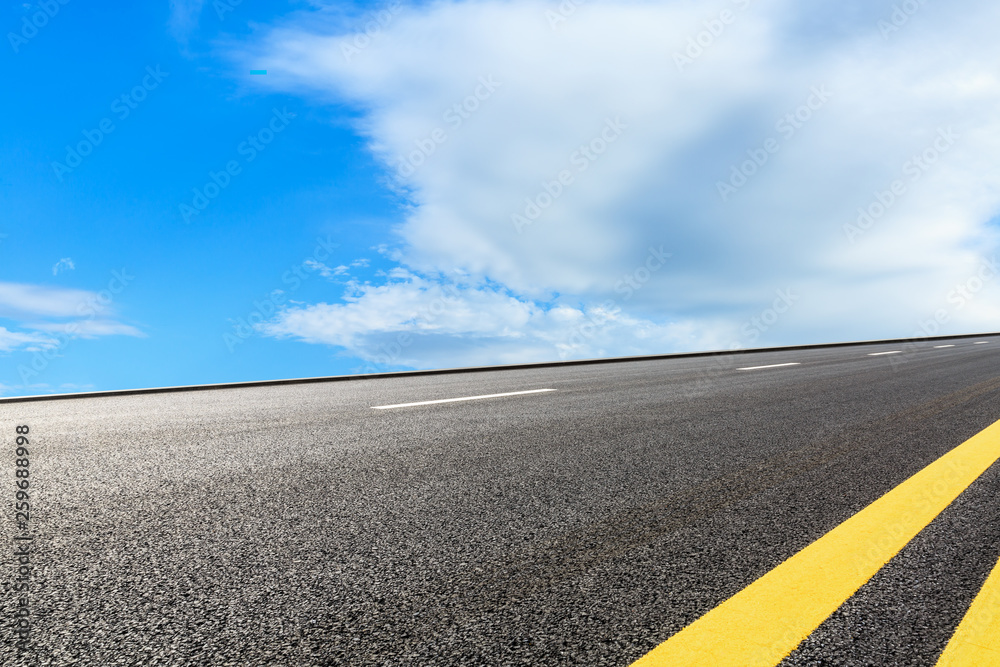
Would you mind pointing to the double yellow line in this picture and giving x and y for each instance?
(763, 623)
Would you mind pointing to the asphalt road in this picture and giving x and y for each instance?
(297, 525)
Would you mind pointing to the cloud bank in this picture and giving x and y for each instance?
(843, 155)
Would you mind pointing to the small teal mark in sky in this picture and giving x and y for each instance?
(258, 71)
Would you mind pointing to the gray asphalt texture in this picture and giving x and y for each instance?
(295, 525)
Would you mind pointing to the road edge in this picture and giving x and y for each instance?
(474, 369)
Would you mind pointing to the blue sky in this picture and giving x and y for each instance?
(416, 185)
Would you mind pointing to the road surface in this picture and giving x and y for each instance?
(332, 524)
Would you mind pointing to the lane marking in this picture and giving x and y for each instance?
(757, 368)
(763, 623)
(976, 642)
(982, 342)
(464, 398)
(879, 354)
(941, 347)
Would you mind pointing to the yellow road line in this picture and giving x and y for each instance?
(763, 623)
(976, 642)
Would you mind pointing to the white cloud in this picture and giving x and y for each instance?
(89, 328)
(21, 299)
(420, 323)
(885, 99)
(64, 264)
(325, 270)
(12, 340)
(332, 272)
(60, 313)
(184, 15)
